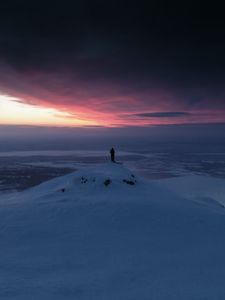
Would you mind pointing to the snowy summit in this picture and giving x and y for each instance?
(105, 233)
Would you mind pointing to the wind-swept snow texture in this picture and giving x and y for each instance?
(104, 233)
(204, 189)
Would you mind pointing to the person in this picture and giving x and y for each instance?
(112, 153)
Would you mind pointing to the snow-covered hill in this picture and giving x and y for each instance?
(105, 233)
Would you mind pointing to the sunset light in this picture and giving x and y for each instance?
(15, 112)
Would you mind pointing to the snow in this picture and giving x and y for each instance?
(203, 189)
(75, 237)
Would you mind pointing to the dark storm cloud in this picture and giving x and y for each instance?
(51, 34)
(95, 48)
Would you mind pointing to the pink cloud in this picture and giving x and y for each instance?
(110, 103)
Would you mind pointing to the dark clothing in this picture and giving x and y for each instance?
(112, 153)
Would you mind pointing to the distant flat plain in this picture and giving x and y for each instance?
(22, 169)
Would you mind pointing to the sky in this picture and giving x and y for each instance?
(112, 64)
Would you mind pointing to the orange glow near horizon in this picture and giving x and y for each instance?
(14, 112)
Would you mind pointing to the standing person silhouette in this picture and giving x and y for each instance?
(112, 153)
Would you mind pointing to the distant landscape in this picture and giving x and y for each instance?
(31, 162)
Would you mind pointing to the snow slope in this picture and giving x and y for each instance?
(104, 233)
(204, 189)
